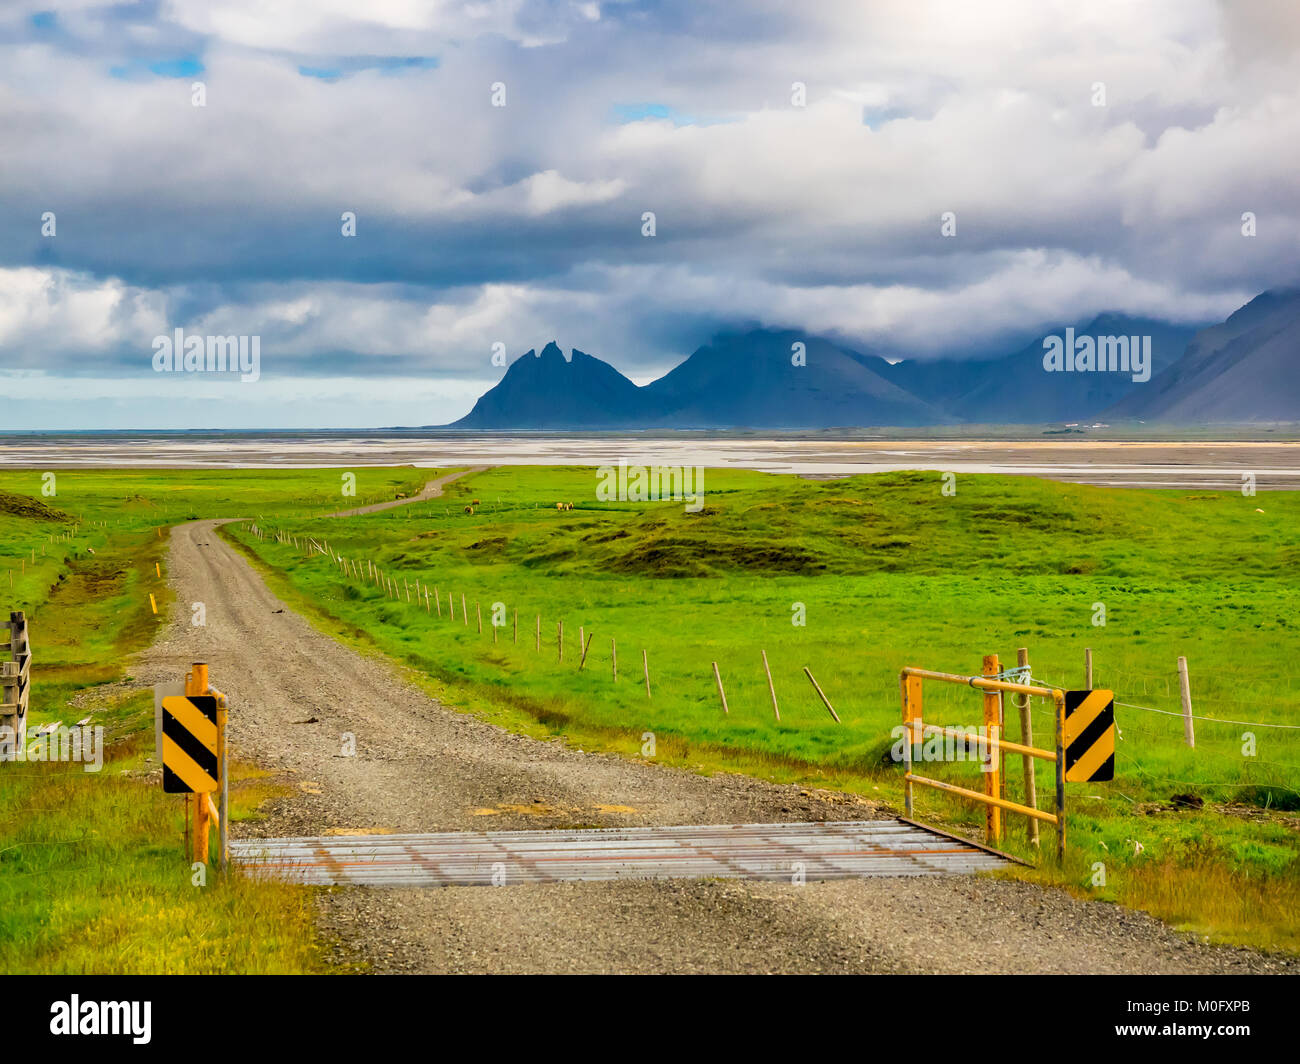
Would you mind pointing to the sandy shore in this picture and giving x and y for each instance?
(1144, 463)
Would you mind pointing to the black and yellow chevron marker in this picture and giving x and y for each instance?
(189, 744)
(1089, 736)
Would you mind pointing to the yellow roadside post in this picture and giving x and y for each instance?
(223, 817)
(193, 738)
(196, 683)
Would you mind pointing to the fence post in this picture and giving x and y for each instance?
(15, 689)
(613, 656)
(822, 695)
(912, 703)
(223, 817)
(992, 723)
(1185, 689)
(645, 664)
(1058, 708)
(721, 693)
(1087, 668)
(1021, 702)
(907, 756)
(771, 688)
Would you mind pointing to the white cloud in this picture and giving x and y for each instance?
(522, 224)
(46, 312)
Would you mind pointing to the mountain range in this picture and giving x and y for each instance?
(1244, 369)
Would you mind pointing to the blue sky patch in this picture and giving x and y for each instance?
(337, 68)
(185, 66)
(625, 113)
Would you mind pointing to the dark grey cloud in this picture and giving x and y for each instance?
(479, 224)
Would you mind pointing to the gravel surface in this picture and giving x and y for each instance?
(418, 765)
(930, 925)
(295, 694)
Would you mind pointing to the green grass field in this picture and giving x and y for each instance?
(92, 871)
(887, 572)
(884, 571)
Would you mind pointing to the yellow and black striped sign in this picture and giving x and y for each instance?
(189, 744)
(1089, 735)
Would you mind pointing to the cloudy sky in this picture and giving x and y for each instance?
(798, 159)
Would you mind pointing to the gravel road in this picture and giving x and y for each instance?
(431, 490)
(295, 694)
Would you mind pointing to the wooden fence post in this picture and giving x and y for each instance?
(559, 638)
(822, 695)
(1021, 702)
(613, 656)
(717, 676)
(16, 687)
(771, 688)
(1087, 668)
(1185, 689)
(583, 660)
(645, 664)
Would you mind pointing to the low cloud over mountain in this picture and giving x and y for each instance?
(1118, 367)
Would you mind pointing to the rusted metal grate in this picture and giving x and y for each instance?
(775, 852)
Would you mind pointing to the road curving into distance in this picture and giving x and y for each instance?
(296, 694)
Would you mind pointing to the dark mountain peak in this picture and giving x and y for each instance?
(760, 378)
(1244, 368)
(548, 391)
(1111, 323)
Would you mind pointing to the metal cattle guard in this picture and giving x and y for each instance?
(910, 683)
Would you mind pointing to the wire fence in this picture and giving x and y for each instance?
(751, 690)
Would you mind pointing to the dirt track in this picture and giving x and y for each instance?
(295, 692)
(431, 490)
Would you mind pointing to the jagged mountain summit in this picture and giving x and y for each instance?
(548, 391)
(1244, 369)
